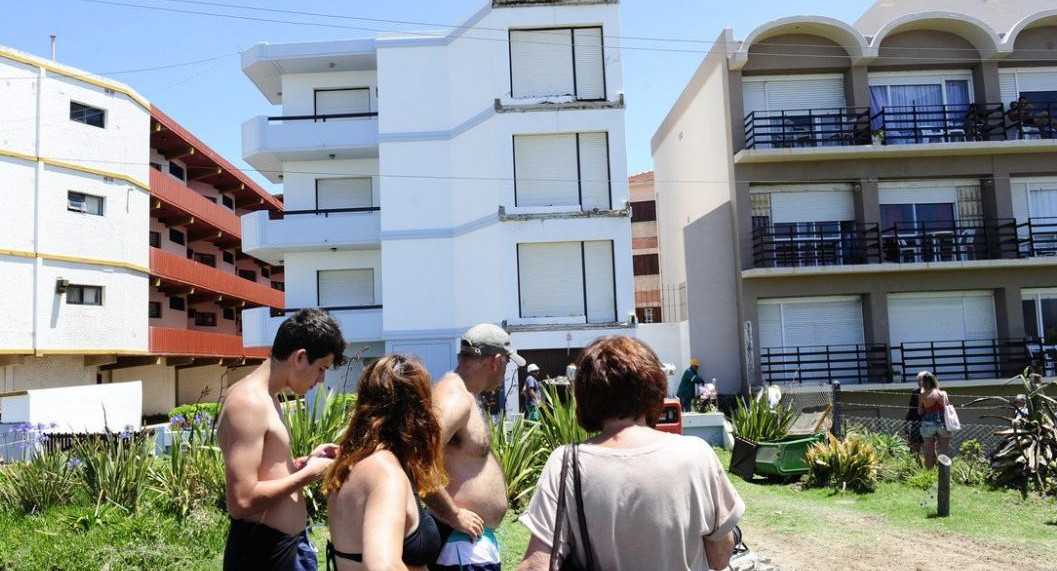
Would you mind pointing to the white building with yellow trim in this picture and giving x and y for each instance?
(73, 262)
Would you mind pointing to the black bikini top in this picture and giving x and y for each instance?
(421, 547)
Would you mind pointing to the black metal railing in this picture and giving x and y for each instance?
(1038, 237)
(1042, 356)
(826, 363)
(807, 128)
(325, 212)
(975, 359)
(323, 118)
(950, 241)
(276, 312)
(1035, 121)
(816, 244)
(916, 124)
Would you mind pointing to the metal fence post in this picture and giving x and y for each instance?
(837, 415)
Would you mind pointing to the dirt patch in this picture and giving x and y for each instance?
(874, 544)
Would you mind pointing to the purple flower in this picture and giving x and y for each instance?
(53, 425)
(73, 463)
(125, 434)
(43, 438)
(203, 418)
(177, 419)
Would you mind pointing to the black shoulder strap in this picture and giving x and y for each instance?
(585, 537)
(561, 515)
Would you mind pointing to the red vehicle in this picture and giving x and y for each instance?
(671, 419)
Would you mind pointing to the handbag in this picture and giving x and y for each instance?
(571, 457)
(950, 416)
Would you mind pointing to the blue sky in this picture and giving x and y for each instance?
(122, 39)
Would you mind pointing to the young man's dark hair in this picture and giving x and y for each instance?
(313, 330)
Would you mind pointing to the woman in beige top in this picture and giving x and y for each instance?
(651, 500)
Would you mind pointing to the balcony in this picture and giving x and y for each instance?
(170, 341)
(171, 269)
(950, 241)
(918, 124)
(1035, 121)
(825, 364)
(976, 359)
(1038, 237)
(815, 244)
(267, 142)
(358, 324)
(177, 199)
(267, 238)
(807, 128)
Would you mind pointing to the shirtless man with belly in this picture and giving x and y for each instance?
(264, 481)
(474, 502)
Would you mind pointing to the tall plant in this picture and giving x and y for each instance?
(193, 473)
(851, 464)
(46, 480)
(310, 426)
(557, 423)
(115, 468)
(521, 454)
(758, 422)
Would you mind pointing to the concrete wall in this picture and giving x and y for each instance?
(47, 372)
(671, 342)
(796, 53)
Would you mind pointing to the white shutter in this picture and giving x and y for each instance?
(769, 316)
(1044, 80)
(1007, 86)
(918, 195)
(1020, 202)
(545, 170)
(346, 288)
(590, 78)
(946, 317)
(550, 278)
(541, 63)
(754, 96)
(343, 193)
(830, 322)
(598, 272)
(815, 206)
(980, 317)
(335, 101)
(594, 171)
(815, 93)
(1042, 202)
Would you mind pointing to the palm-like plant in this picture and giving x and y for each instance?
(850, 464)
(310, 426)
(521, 454)
(758, 422)
(558, 424)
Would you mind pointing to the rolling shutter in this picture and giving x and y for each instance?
(598, 270)
(754, 96)
(550, 279)
(546, 170)
(769, 316)
(346, 288)
(785, 94)
(1043, 202)
(594, 171)
(335, 101)
(814, 206)
(947, 317)
(1028, 81)
(588, 62)
(540, 63)
(918, 195)
(334, 193)
(1007, 86)
(808, 323)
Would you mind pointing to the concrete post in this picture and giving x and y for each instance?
(943, 493)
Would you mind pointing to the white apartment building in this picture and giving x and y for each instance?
(436, 180)
(73, 158)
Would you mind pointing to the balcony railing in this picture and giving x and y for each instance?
(179, 269)
(325, 212)
(950, 241)
(826, 363)
(976, 359)
(1035, 121)
(276, 312)
(1038, 237)
(323, 118)
(807, 128)
(172, 341)
(816, 244)
(916, 124)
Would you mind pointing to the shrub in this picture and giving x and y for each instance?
(310, 426)
(186, 415)
(758, 422)
(520, 454)
(192, 475)
(970, 468)
(115, 468)
(557, 423)
(851, 464)
(45, 481)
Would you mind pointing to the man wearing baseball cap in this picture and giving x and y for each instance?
(688, 384)
(474, 502)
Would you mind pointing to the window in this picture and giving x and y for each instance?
(86, 203)
(646, 264)
(155, 239)
(177, 171)
(648, 314)
(335, 193)
(568, 169)
(176, 236)
(190, 254)
(229, 313)
(929, 215)
(205, 319)
(279, 286)
(154, 309)
(227, 201)
(265, 273)
(644, 211)
(177, 303)
(557, 62)
(345, 288)
(84, 295)
(1040, 315)
(342, 101)
(87, 114)
(248, 275)
(567, 279)
(207, 259)
(229, 258)
(156, 166)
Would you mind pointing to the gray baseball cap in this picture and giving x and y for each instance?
(488, 339)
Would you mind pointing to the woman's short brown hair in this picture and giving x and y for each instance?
(618, 377)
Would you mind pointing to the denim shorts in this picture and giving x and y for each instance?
(930, 429)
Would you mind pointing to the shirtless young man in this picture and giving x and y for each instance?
(264, 482)
(474, 502)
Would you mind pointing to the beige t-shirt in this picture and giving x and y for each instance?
(647, 508)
